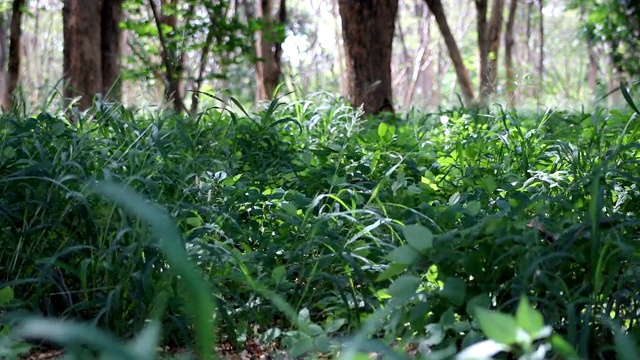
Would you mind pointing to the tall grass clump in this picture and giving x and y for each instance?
(311, 226)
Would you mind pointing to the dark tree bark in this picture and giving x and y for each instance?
(488, 44)
(172, 59)
(494, 31)
(111, 42)
(462, 74)
(84, 51)
(483, 48)
(508, 51)
(541, 59)
(367, 30)
(268, 49)
(15, 38)
(4, 50)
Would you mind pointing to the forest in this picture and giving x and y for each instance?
(348, 179)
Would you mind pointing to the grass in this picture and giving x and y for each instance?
(310, 226)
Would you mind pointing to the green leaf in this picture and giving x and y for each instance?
(497, 326)
(478, 301)
(145, 343)
(404, 287)
(473, 208)
(58, 128)
(200, 305)
(404, 254)
(315, 330)
(528, 318)
(278, 273)
(322, 343)
(393, 270)
(625, 346)
(304, 317)
(301, 346)
(447, 319)
(562, 347)
(454, 290)
(193, 221)
(6, 295)
(382, 130)
(418, 236)
(335, 325)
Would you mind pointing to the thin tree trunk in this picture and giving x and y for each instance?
(593, 66)
(111, 43)
(541, 63)
(508, 52)
(367, 30)
(204, 58)
(171, 57)
(530, 56)
(4, 50)
(483, 47)
(462, 74)
(494, 31)
(15, 37)
(268, 50)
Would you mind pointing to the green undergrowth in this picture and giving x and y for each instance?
(312, 226)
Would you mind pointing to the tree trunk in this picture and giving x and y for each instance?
(4, 50)
(111, 42)
(462, 74)
(172, 59)
(82, 52)
(367, 31)
(494, 31)
(508, 52)
(268, 49)
(15, 36)
(592, 77)
(541, 63)
(483, 48)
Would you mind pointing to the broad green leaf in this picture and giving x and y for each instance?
(6, 295)
(278, 273)
(448, 319)
(626, 348)
(455, 290)
(382, 130)
(478, 301)
(404, 287)
(435, 334)
(561, 346)
(528, 318)
(404, 254)
(301, 346)
(454, 199)
(335, 325)
(473, 208)
(393, 270)
(145, 343)
(322, 343)
(497, 326)
(58, 128)
(304, 317)
(315, 330)
(418, 236)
